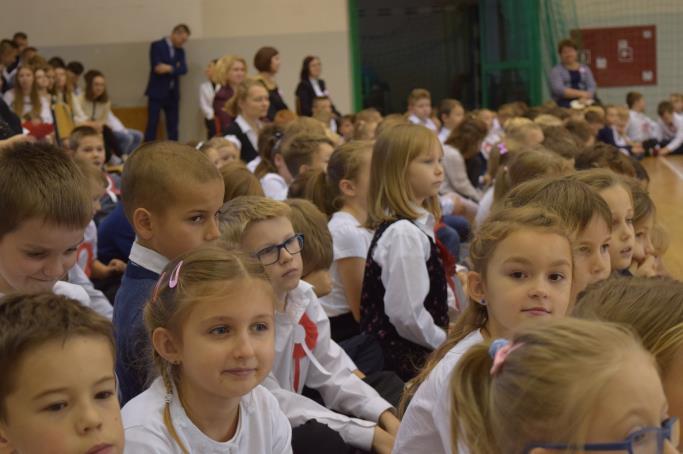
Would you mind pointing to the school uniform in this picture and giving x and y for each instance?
(444, 134)
(261, 428)
(132, 342)
(404, 302)
(274, 186)
(78, 293)
(349, 240)
(306, 356)
(611, 136)
(671, 136)
(426, 424)
(428, 123)
(98, 301)
(247, 136)
(306, 92)
(274, 96)
(456, 178)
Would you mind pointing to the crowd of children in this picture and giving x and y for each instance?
(449, 282)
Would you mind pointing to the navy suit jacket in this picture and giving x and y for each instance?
(163, 86)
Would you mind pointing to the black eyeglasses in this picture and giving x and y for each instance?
(649, 440)
(271, 254)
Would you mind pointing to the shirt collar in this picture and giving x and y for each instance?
(244, 126)
(147, 258)
(425, 220)
(169, 42)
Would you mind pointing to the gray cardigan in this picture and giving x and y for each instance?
(560, 79)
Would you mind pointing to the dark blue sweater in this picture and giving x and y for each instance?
(133, 348)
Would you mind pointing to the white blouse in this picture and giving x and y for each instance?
(349, 239)
(261, 428)
(402, 252)
(325, 368)
(426, 424)
(274, 186)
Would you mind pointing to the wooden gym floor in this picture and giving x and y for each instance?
(666, 189)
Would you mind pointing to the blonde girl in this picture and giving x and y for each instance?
(653, 308)
(211, 321)
(23, 98)
(247, 106)
(404, 302)
(562, 386)
(512, 280)
(644, 260)
(617, 193)
(228, 72)
(342, 194)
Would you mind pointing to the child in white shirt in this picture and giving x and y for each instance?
(306, 355)
(211, 320)
(420, 108)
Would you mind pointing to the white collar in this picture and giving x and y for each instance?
(425, 220)
(297, 300)
(243, 124)
(147, 258)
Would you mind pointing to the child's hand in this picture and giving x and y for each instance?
(648, 268)
(382, 441)
(117, 266)
(389, 422)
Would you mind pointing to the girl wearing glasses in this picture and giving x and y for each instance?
(566, 385)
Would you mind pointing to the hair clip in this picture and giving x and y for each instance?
(155, 293)
(502, 149)
(173, 280)
(499, 351)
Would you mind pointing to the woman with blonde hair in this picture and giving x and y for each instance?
(228, 72)
(247, 106)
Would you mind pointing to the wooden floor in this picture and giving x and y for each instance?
(666, 189)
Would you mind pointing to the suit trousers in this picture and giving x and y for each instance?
(170, 108)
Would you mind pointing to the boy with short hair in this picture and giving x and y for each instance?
(305, 151)
(420, 108)
(323, 111)
(641, 128)
(57, 387)
(45, 207)
(670, 130)
(86, 143)
(171, 196)
(261, 227)
(451, 114)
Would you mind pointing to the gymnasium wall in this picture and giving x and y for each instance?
(114, 37)
(667, 16)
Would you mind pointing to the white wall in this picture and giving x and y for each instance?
(117, 43)
(667, 15)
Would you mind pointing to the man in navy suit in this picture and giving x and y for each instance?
(167, 64)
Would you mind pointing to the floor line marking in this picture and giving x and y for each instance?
(673, 168)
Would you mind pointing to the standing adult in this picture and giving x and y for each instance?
(569, 79)
(248, 105)
(267, 63)
(229, 72)
(311, 86)
(167, 64)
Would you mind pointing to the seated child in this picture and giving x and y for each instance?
(308, 220)
(345, 129)
(585, 215)
(271, 171)
(511, 282)
(365, 124)
(88, 144)
(239, 181)
(617, 193)
(604, 156)
(451, 114)
(605, 383)
(581, 131)
(644, 217)
(616, 134)
(305, 353)
(670, 130)
(306, 151)
(641, 128)
(493, 130)
(87, 251)
(324, 113)
(420, 108)
(58, 389)
(220, 151)
(45, 205)
(462, 161)
(171, 196)
(595, 117)
(211, 322)
(653, 309)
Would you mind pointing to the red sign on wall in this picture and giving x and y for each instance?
(620, 56)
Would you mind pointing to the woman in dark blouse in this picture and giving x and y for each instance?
(267, 63)
(311, 86)
(230, 71)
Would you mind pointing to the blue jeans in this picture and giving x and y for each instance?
(128, 140)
